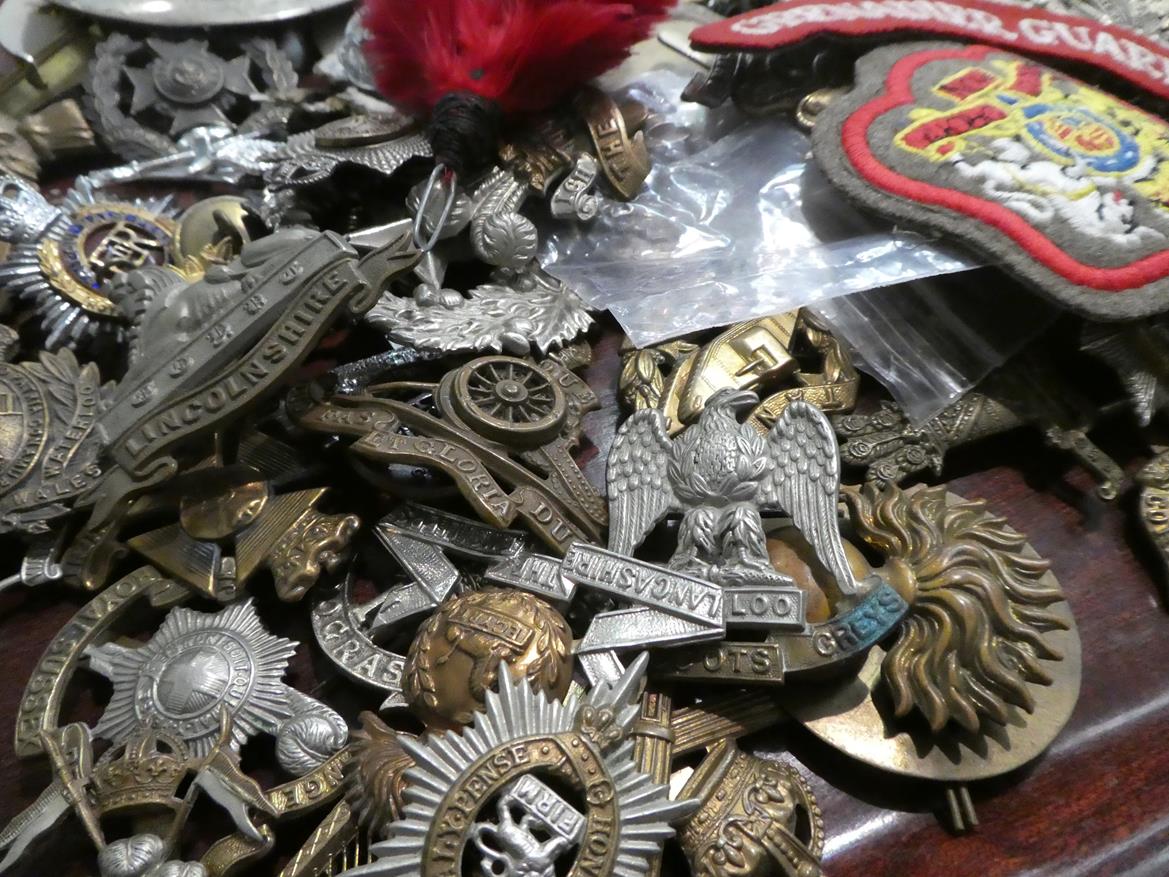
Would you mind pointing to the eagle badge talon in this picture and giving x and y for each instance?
(719, 475)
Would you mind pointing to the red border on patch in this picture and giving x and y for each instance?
(854, 137)
(1137, 59)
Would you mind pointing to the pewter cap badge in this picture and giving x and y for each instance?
(198, 662)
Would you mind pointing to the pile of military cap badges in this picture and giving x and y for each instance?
(242, 393)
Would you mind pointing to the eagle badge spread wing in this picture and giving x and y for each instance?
(719, 474)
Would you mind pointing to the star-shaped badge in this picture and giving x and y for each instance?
(189, 83)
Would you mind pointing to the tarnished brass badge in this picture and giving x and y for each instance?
(471, 640)
(501, 419)
(235, 518)
(985, 667)
(757, 818)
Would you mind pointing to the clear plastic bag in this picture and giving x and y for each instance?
(931, 341)
(736, 221)
(733, 223)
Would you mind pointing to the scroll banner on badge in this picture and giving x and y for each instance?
(1127, 54)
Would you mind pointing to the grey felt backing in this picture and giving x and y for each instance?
(1102, 220)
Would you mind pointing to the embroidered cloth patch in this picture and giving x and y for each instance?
(1021, 28)
(1053, 179)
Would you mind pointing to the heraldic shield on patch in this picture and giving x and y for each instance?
(1062, 183)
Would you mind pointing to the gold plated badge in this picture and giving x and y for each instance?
(63, 256)
(464, 647)
(784, 357)
(757, 818)
(213, 231)
(543, 152)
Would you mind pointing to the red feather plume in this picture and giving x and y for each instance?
(524, 55)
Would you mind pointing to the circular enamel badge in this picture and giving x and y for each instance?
(100, 241)
(63, 256)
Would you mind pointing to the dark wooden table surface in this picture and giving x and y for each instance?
(1096, 804)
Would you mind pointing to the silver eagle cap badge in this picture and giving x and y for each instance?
(720, 474)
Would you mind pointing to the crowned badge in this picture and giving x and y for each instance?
(62, 256)
(198, 663)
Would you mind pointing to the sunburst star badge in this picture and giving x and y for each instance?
(199, 663)
(532, 785)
